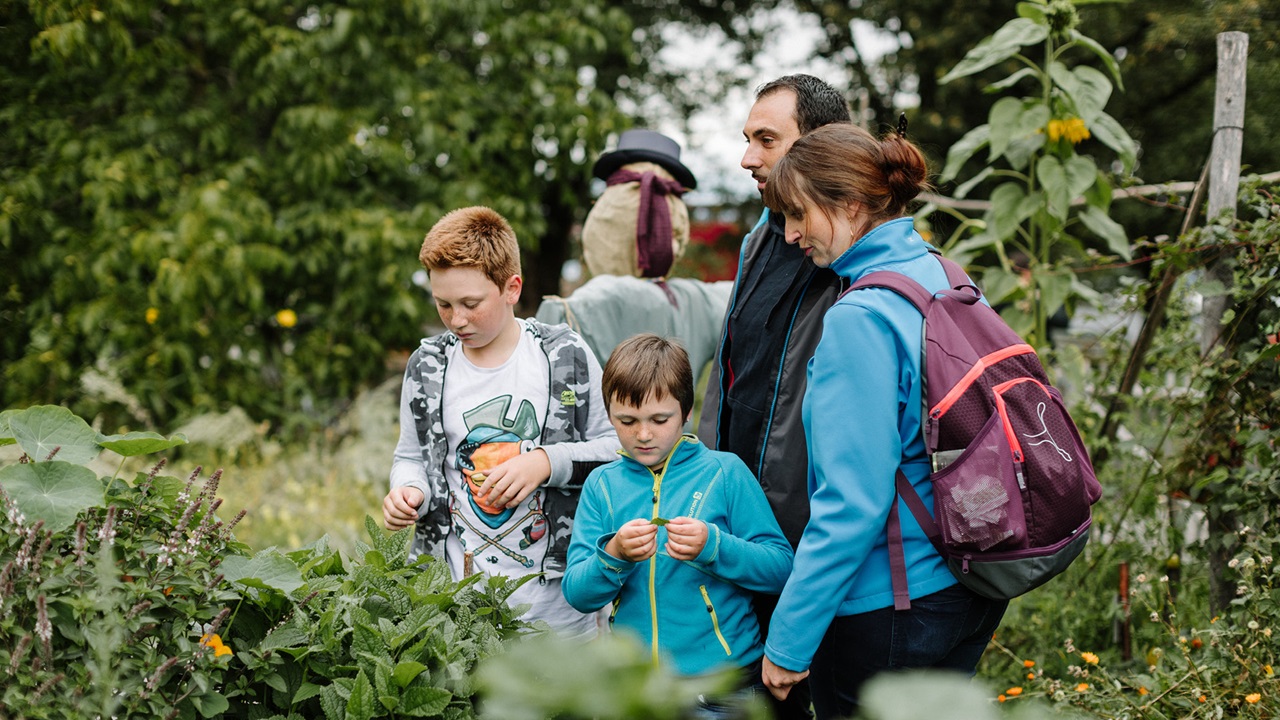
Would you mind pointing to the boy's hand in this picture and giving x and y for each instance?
(685, 538)
(508, 484)
(400, 507)
(635, 541)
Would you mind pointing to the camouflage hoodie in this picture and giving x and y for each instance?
(576, 437)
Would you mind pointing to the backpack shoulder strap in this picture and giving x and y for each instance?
(956, 276)
(909, 289)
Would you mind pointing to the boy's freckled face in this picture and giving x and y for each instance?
(472, 306)
(648, 432)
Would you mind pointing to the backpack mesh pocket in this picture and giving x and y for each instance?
(976, 498)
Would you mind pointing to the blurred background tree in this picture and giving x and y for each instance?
(206, 205)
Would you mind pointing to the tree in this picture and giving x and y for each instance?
(221, 203)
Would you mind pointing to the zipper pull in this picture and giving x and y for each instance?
(1022, 480)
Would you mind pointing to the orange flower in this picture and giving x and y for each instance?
(1082, 687)
(1028, 663)
(1013, 691)
(168, 590)
(1252, 698)
(1142, 691)
(213, 640)
(1001, 698)
(1089, 658)
(1203, 698)
(1031, 676)
(1196, 643)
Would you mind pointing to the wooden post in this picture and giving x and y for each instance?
(1224, 164)
(1224, 182)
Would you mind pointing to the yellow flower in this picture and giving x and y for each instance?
(1089, 658)
(1028, 663)
(1252, 698)
(287, 318)
(1073, 129)
(152, 315)
(1013, 691)
(1082, 687)
(213, 640)
(1267, 669)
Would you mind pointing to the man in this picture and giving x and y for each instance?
(757, 381)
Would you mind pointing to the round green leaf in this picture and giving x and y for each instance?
(6, 435)
(41, 429)
(140, 443)
(55, 492)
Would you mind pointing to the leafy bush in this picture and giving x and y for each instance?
(131, 599)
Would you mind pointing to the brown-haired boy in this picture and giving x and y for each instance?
(501, 419)
(679, 534)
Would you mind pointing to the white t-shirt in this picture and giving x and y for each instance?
(491, 415)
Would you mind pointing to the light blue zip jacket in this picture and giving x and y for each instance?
(861, 422)
(696, 614)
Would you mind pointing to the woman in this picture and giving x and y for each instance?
(844, 193)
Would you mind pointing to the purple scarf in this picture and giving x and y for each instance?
(653, 222)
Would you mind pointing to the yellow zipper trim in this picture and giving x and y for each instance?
(715, 621)
(653, 561)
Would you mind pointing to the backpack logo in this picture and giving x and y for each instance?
(1040, 409)
(568, 397)
(1005, 520)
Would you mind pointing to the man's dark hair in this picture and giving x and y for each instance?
(817, 103)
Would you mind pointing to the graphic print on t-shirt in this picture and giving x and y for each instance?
(491, 440)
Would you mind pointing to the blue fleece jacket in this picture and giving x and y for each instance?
(694, 614)
(862, 422)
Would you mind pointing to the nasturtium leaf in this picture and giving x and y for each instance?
(6, 435)
(41, 429)
(268, 568)
(55, 492)
(659, 521)
(140, 443)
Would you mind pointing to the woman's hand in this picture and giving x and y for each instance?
(779, 680)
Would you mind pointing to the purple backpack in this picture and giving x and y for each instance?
(1012, 481)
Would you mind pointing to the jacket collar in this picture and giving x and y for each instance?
(685, 448)
(889, 243)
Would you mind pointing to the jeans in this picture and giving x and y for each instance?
(732, 706)
(948, 629)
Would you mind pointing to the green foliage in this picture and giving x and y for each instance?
(611, 678)
(1192, 485)
(142, 604)
(221, 204)
(1035, 167)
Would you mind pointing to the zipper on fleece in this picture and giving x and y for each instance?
(715, 621)
(653, 561)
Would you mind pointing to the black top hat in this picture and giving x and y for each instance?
(645, 145)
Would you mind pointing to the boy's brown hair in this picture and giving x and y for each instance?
(644, 366)
(475, 237)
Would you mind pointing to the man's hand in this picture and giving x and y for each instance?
(685, 538)
(779, 680)
(635, 541)
(400, 507)
(508, 484)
